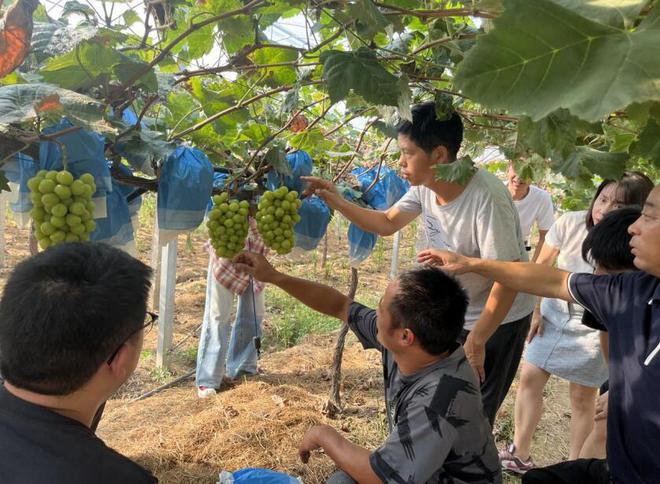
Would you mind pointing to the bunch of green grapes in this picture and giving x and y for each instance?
(62, 207)
(276, 216)
(228, 225)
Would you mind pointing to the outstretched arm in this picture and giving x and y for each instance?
(379, 222)
(351, 458)
(530, 278)
(319, 297)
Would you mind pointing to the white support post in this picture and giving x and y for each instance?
(3, 221)
(166, 301)
(394, 268)
(156, 253)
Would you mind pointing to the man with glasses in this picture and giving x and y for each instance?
(72, 322)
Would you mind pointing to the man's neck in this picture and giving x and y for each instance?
(518, 195)
(76, 406)
(412, 362)
(445, 192)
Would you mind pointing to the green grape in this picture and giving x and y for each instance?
(77, 188)
(62, 191)
(227, 225)
(62, 207)
(276, 216)
(47, 186)
(64, 178)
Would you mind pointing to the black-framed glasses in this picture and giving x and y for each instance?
(149, 321)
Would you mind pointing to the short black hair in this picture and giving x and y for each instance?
(432, 304)
(632, 189)
(427, 132)
(608, 243)
(65, 310)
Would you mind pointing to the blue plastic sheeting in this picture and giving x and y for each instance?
(127, 190)
(116, 229)
(184, 188)
(262, 476)
(85, 153)
(386, 192)
(314, 218)
(19, 169)
(360, 244)
(301, 165)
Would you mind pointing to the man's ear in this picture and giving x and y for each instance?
(120, 366)
(407, 337)
(440, 155)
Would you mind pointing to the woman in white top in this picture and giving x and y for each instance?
(558, 342)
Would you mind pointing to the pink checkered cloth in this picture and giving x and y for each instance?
(226, 273)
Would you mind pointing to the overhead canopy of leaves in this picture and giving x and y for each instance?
(361, 72)
(533, 66)
(230, 83)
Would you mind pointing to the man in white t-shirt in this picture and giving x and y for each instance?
(534, 205)
(477, 218)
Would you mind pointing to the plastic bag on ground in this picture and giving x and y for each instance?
(256, 475)
(184, 187)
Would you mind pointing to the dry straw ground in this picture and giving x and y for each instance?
(260, 421)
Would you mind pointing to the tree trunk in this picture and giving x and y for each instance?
(333, 406)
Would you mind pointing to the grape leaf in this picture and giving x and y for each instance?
(360, 71)
(75, 7)
(386, 129)
(459, 171)
(617, 13)
(369, 16)
(126, 69)
(276, 157)
(648, 144)
(276, 76)
(552, 136)
(541, 56)
(19, 103)
(88, 65)
(54, 39)
(584, 161)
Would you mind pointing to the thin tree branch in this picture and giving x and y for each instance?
(320, 117)
(441, 41)
(193, 27)
(144, 110)
(241, 104)
(346, 121)
(380, 164)
(357, 150)
(448, 12)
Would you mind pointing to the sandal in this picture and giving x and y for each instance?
(511, 462)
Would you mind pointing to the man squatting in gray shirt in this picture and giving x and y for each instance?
(438, 430)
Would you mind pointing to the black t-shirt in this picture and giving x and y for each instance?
(38, 445)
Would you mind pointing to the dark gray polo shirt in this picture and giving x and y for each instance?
(438, 430)
(629, 306)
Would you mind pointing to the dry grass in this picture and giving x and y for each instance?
(260, 421)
